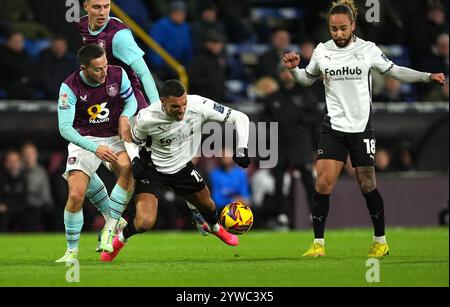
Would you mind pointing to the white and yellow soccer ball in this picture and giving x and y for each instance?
(236, 218)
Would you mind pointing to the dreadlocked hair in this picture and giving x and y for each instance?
(347, 7)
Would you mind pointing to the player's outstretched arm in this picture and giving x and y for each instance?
(126, 49)
(291, 61)
(141, 69)
(409, 75)
(241, 123)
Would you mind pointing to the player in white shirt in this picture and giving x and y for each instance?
(171, 132)
(345, 62)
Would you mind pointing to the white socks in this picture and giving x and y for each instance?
(320, 241)
(380, 239)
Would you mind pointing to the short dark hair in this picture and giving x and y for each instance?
(173, 88)
(89, 52)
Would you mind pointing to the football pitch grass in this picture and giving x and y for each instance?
(419, 257)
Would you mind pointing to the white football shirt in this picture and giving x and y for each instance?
(175, 143)
(348, 81)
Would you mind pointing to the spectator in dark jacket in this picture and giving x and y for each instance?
(53, 66)
(39, 195)
(207, 22)
(173, 33)
(16, 68)
(295, 110)
(269, 61)
(13, 193)
(207, 72)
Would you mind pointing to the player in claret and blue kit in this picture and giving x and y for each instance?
(94, 108)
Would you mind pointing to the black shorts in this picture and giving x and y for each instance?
(336, 145)
(187, 181)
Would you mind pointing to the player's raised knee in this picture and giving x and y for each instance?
(143, 224)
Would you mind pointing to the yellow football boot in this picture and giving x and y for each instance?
(378, 250)
(316, 250)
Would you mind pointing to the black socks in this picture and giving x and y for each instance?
(375, 205)
(320, 208)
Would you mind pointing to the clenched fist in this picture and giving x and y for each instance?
(291, 60)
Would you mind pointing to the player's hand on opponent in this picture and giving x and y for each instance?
(106, 154)
(438, 78)
(241, 157)
(291, 60)
(125, 129)
(137, 167)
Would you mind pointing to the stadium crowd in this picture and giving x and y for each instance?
(232, 50)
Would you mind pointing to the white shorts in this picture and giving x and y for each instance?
(83, 160)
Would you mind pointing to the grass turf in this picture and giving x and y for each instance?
(419, 257)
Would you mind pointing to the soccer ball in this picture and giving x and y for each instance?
(236, 218)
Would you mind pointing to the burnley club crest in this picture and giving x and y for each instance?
(112, 90)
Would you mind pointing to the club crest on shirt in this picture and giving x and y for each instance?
(112, 90)
(102, 43)
(359, 56)
(71, 160)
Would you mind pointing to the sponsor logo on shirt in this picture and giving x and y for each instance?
(178, 139)
(99, 113)
(344, 71)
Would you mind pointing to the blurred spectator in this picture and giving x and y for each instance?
(137, 10)
(16, 67)
(392, 92)
(404, 160)
(39, 197)
(173, 33)
(17, 15)
(438, 61)
(235, 15)
(229, 183)
(306, 52)
(391, 19)
(382, 159)
(206, 23)
(207, 73)
(268, 62)
(262, 184)
(295, 109)
(431, 27)
(443, 216)
(13, 192)
(53, 66)
(435, 62)
(307, 47)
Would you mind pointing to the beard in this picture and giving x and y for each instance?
(341, 43)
